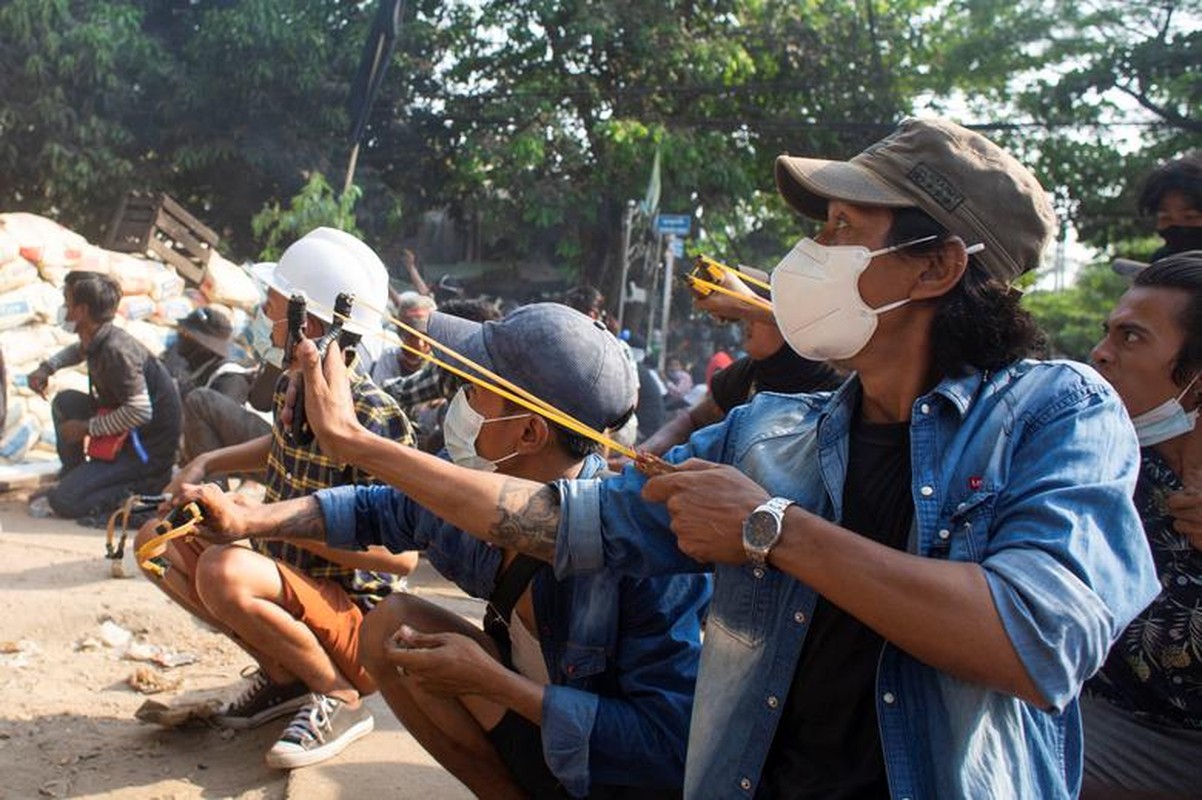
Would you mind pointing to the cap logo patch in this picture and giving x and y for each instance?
(941, 190)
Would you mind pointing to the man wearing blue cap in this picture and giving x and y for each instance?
(581, 686)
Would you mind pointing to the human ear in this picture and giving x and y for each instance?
(536, 434)
(942, 270)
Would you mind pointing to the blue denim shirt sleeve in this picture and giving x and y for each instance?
(359, 516)
(1067, 566)
(608, 524)
(636, 734)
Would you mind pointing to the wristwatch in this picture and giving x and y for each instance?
(761, 529)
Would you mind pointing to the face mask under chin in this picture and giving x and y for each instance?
(1167, 420)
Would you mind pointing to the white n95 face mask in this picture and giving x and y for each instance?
(459, 431)
(1167, 421)
(816, 298)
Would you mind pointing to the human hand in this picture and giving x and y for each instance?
(192, 472)
(707, 503)
(226, 516)
(329, 406)
(449, 664)
(72, 430)
(617, 462)
(38, 380)
(722, 306)
(1185, 507)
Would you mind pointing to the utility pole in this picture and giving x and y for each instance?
(669, 263)
(627, 224)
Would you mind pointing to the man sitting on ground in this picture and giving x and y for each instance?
(121, 437)
(296, 610)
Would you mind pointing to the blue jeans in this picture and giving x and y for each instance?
(97, 487)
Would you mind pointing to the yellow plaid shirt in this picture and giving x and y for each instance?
(296, 471)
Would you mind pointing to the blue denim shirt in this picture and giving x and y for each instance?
(622, 652)
(1027, 471)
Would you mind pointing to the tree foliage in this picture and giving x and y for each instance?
(224, 105)
(1072, 318)
(532, 123)
(316, 205)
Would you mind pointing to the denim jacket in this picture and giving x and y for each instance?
(1027, 471)
(622, 652)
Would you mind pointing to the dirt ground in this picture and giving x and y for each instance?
(67, 726)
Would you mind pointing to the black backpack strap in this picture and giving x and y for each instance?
(510, 585)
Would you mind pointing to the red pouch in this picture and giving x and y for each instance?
(105, 448)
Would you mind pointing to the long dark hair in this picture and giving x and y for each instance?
(1181, 271)
(979, 323)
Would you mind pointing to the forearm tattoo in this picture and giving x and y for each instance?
(307, 523)
(527, 520)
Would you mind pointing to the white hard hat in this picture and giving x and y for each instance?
(322, 264)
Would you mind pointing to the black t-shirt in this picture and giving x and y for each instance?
(784, 371)
(828, 744)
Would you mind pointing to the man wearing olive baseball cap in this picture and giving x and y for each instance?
(914, 574)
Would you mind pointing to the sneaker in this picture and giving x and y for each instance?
(321, 729)
(262, 701)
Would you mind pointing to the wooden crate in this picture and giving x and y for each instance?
(156, 225)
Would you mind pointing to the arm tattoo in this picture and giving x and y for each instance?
(527, 520)
(307, 523)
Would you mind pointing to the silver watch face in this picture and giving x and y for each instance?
(761, 530)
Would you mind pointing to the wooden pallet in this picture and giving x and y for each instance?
(156, 225)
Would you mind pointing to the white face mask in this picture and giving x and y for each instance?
(817, 302)
(260, 330)
(460, 429)
(66, 324)
(1167, 421)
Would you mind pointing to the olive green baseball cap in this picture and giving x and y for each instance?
(967, 183)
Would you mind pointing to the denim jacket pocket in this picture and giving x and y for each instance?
(741, 604)
(580, 663)
(964, 531)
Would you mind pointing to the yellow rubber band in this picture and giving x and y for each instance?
(741, 275)
(749, 299)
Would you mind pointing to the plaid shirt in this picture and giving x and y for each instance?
(431, 382)
(294, 471)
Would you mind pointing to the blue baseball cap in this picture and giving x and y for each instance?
(554, 352)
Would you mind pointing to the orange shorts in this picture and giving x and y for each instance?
(327, 610)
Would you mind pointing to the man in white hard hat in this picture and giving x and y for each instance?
(297, 611)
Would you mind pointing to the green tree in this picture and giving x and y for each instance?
(1072, 318)
(1092, 94)
(75, 79)
(556, 107)
(316, 205)
(226, 106)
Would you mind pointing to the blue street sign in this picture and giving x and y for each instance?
(676, 246)
(673, 224)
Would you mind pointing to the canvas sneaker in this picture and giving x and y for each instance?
(262, 701)
(322, 729)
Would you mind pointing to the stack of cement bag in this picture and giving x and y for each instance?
(35, 254)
